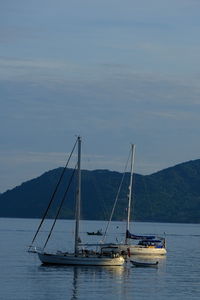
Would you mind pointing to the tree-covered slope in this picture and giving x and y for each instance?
(171, 195)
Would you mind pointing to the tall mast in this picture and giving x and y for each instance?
(78, 197)
(130, 190)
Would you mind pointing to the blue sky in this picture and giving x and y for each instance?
(115, 72)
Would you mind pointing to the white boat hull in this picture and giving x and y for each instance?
(70, 259)
(139, 250)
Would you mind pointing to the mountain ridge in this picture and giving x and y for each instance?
(169, 195)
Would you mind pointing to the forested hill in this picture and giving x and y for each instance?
(171, 195)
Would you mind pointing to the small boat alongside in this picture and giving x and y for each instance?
(144, 264)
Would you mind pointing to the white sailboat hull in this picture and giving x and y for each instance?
(138, 250)
(71, 259)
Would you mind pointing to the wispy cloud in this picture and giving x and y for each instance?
(114, 73)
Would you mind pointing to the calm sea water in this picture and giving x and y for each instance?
(22, 276)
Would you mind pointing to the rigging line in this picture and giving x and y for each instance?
(61, 204)
(53, 195)
(116, 199)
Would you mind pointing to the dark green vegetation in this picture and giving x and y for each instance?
(171, 195)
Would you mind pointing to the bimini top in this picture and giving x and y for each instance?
(139, 237)
(150, 242)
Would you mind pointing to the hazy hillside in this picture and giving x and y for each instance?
(171, 195)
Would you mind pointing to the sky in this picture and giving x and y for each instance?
(114, 72)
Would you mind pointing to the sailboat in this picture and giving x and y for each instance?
(80, 256)
(147, 244)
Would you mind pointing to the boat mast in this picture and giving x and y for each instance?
(78, 197)
(130, 190)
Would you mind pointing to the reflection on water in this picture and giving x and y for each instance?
(89, 277)
(97, 282)
(93, 273)
(75, 284)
